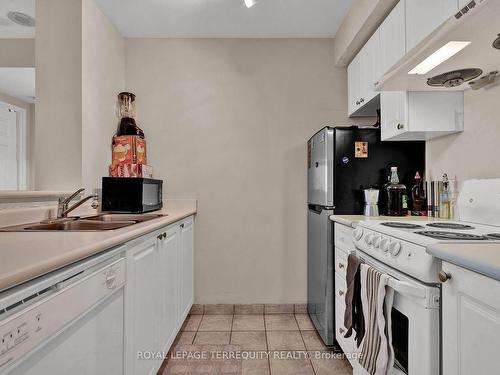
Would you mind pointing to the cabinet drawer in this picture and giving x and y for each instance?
(343, 237)
(340, 286)
(340, 262)
(347, 344)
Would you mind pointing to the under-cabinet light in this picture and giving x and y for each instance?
(441, 55)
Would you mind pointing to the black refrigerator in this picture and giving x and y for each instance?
(341, 162)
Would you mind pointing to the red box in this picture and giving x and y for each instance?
(130, 170)
(128, 149)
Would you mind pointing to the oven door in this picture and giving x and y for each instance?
(415, 323)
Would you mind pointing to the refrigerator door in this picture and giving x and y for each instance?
(320, 273)
(320, 168)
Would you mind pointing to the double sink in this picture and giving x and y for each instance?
(83, 224)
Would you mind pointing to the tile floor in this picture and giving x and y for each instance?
(261, 344)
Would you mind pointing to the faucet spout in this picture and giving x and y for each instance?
(65, 212)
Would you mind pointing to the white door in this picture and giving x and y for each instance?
(424, 16)
(371, 68)
(393, 113)
(471, 322)
(143, 305)
(9, 178)
(187, 234)
(392, 38)
(354, 82)
(169, 273)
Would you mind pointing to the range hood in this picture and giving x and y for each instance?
(475, 65)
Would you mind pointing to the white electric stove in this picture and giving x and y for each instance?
(398, 248)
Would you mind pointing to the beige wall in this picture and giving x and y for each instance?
(473, 153)
(17, 53)
(227, 122)
(103, 77)
(58, 146)
(80, 69)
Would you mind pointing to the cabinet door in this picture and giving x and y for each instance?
(170, 286)
(370, 60)
(186, 265)
(471, 327)
(142, 305)
(424, 16)
(353, 86)
(392, 38)
(393, 113)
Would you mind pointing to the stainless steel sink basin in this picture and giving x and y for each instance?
(138, 218)
(86, 224)
(79, 225)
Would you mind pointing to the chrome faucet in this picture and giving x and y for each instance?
(63, 208)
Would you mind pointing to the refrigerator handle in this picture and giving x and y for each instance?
(318, 209)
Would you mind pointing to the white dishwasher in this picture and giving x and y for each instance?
(68, 322)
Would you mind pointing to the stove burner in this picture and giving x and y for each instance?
(452, 235)
(401, 225)
(450, 226)
(494, 236)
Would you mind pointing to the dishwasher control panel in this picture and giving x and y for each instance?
(23, 331)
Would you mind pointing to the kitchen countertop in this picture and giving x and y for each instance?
(353, 220)
(27, 255)
(480, 257)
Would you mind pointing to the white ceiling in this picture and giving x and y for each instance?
(226, 18)
(9, 29)
(18, 82)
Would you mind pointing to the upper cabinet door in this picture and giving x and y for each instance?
(392, 38)
(424, 16)
(371, 67)
(353, 88)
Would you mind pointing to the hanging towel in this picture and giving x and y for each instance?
(353, 315)
(377, 355)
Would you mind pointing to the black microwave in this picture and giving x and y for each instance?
(131, 194)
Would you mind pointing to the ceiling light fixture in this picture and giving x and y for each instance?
(250, 3)
(441, 55)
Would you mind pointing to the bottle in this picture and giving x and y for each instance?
(418, 197)
(444, 204)
(397, 196)
(127, 124)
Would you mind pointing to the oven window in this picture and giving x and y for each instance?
(400, 340)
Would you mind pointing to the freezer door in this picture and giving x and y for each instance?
(320, 168)
(320, 273)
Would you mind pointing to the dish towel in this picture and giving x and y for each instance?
(353, 315)
(377, 354)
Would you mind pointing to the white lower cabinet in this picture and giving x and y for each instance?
(417, 115)
(159, 293)
(471, 322)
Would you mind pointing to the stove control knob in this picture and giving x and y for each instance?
(369, 239)
(395, 248)
(384, 245)
(357, 234)
(376, 241)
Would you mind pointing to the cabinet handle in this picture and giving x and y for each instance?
(400, 126)
(341, 265)
(159, 236)
(164, 235)
(444, 276)
(182, 225)
(341, 331)
(361, 100)
(357, 102)
(375, 83)
(341, 293)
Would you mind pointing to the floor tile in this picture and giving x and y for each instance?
(185, 338)
(216, 323)
(219, 309)
(281, 322)
(279, 308)
(255, 367)
(249, 309)
(328, 363)
(290, 366)
(313, 341)
(251, 340)
(196, 309)
(301, 308)
(192, 323)
(212, 338)
(304, 322)
(285, 340)
(248, 323)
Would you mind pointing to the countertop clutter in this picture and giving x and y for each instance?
(24, 256)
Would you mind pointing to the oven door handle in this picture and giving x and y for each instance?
(406, 288)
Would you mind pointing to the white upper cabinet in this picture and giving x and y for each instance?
(424, 16)
(420, 115)
(362, 74)
(392, 38)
